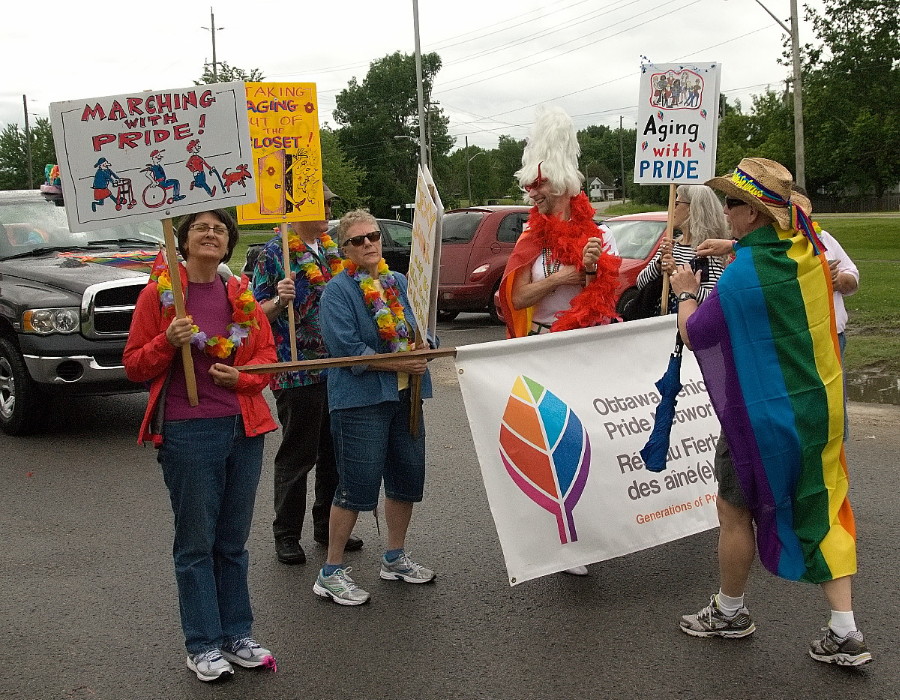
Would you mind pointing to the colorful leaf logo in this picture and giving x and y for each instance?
(703, 113)
(644, 145)
(702, 146)
(546, 451)
(660, 115)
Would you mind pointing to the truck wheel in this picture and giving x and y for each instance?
(492, 307)
(446, 315)
(628, 296)
(18, 393)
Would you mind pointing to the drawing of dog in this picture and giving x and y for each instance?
(238, 176)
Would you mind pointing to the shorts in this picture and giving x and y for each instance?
(729, 486)
(373, 444)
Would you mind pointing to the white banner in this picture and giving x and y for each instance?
(153, 155)
(558, 421)
(425, 253)
(677, 124)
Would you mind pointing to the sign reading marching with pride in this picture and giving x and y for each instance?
(152, 155)
(286, 165)
(678, 118)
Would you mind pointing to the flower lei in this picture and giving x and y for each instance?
(242, 317)
(389, 317)
(307, 261)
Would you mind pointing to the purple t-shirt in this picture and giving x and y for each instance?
(207, 303)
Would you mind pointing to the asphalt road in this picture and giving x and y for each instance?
(89, 609)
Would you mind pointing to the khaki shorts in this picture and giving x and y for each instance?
(723, 467)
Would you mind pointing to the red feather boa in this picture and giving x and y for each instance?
(596, 303)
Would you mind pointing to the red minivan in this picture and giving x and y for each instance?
(476, 242)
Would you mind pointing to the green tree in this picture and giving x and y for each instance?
(507, 158)
(14, 154)
(379, 128)
(852, 97)
(340, 173)
(227, 74)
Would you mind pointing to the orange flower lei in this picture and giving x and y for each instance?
(242, 320)
(307, 261)
(389, 317)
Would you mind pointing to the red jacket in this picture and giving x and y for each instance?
(148, 356)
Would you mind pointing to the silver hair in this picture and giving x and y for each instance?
(553, 148)
(351, 218)
(706, 218)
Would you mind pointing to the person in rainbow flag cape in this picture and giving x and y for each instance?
(767, 346)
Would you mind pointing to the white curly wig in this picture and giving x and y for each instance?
(552, 146)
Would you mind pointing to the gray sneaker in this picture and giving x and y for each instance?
(711, 622)
(209, 665)
(844, 651)
(340, 588)
(248, 653)
(405, 569)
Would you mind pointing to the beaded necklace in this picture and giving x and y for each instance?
(551, 265)
(390, 320)
(242, 317)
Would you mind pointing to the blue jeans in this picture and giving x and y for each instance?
(372, 443)
(212, 470)
(842, 343)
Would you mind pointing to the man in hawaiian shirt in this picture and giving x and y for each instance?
(301, 397)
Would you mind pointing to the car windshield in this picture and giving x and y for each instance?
(460, 226)
(635, 239)
(27, 226)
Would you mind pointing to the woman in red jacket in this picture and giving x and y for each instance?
(211, 454)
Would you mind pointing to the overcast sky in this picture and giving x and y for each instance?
(500, 59)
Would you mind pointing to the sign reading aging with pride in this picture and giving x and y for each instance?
(678, 116)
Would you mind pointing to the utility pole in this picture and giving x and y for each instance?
(28, 145)
(212, 30)
(420, 94)
(468, 174)
(622, 157)
(799, 147)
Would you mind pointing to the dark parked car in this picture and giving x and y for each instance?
(66, 301)
(396, 241)
(637, 237)
(476, 242)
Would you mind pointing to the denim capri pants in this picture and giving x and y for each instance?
(371, 444)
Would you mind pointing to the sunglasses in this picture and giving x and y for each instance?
(731, 202)
(357, 241)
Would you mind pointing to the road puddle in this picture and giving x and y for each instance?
(873, 387)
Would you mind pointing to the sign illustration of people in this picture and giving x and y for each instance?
(154, 194)
(104, 179)
(674, 90)
(197, 165)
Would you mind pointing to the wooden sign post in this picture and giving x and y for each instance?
(178, 293)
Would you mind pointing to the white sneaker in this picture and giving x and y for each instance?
(209, 665)
(577, 571)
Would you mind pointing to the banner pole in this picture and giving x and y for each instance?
(664, 299)
(178, 293)
(415, 394)
(286, 262)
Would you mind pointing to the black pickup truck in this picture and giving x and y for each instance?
(66, 301)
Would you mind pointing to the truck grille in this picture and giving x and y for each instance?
(107, 307)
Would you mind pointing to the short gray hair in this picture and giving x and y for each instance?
(350, 219)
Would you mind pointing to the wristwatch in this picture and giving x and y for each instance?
(278, 303)
(684, 296)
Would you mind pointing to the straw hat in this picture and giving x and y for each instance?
(802, 201)
(763, 184)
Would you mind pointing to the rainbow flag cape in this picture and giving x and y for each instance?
(767, 346)
(138, 260)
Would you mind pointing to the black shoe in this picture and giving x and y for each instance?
(353, 543)
(289, 551)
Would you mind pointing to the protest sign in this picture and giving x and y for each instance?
(425, 252)
(678, 118)
(558, 421)
(287, 157)
(151, 155)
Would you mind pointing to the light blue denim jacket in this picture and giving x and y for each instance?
(349, 330)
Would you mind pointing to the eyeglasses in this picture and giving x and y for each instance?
(677, 202)
(731, 202)
(534, 185)
(357, 241)
(204, 227)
